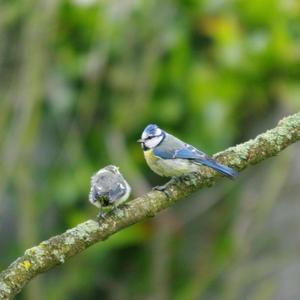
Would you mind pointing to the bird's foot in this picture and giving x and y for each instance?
(101, 215)
(163, 188)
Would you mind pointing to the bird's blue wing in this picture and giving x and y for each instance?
(191, 153)
(117, 192)
(186, 152)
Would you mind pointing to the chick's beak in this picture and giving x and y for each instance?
(140, 141)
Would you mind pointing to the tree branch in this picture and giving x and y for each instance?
(58, 249)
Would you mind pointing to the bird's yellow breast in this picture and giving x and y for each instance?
(152, 162)
(150, 158)
(168, 167)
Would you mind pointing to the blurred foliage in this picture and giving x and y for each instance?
(80, 79)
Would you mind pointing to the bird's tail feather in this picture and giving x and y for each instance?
(224, 170)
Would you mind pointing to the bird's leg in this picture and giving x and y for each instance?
(163, 188)
(117, 211)
(101, 215)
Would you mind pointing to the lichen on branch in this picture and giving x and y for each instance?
(60, 248)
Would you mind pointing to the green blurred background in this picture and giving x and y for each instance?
(79, 80)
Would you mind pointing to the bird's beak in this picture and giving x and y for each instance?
(140, 141)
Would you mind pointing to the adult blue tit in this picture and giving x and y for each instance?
(108, 190)
(168, 156)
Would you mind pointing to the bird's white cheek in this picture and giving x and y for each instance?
(144, 135)
(153, 142)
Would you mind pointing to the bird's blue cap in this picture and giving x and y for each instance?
(151, 129)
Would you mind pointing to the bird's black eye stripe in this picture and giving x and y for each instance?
(151, 137)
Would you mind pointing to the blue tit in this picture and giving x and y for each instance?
(109, 189)
(168, 156)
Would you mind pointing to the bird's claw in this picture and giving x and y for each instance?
(101, 215)
(162, 188)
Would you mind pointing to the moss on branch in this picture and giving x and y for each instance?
(58, 249)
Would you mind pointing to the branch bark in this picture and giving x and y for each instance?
(58, 249)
